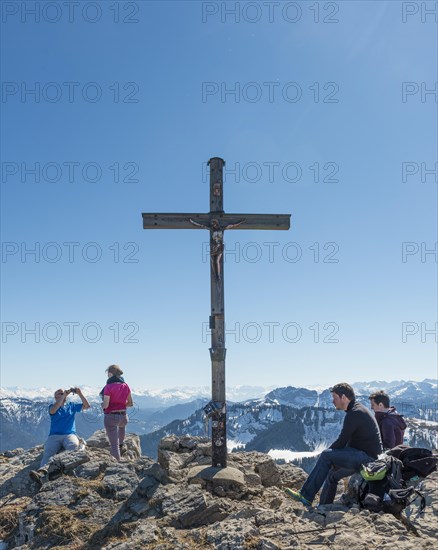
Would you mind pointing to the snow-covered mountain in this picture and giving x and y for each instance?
(25, 422)
(268, 427)
(298, 419)
(415, 399)
(399, 390)
(145, 399)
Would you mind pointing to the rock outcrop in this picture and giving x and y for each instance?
(89, 501)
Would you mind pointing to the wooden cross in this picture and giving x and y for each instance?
(216, 221)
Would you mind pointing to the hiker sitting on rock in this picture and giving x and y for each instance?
(391, 424)
(358, 443)
(62, 423)
(62, 434)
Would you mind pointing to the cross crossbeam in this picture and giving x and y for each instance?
(217, 221)
(182, 221)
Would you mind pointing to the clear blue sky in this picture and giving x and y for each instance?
(333, 119)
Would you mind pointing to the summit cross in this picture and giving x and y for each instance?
(217, 221)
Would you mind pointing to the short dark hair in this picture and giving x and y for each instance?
(380, 397)
(343, 389)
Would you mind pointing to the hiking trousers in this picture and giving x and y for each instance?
(55, 443)
(333, 465)
(115, 430)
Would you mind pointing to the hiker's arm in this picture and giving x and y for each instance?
(106, 401)
(85, 404)
(346, 432)
(388, 434)
(58, 403)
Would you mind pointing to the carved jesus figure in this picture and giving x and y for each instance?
(217, 242)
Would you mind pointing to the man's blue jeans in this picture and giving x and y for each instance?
(332, 465)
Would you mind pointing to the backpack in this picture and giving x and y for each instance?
(416, 461)
(383, 487)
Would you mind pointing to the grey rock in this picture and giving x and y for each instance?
(172, 463)
(187, 506)
(10, 454)
(139, 507)
(98, 440)
(292, 476)
(119, 482)
(132, 443)
(268, 517)
(147, 486)
(146, 533)
(231, 534)
(182, 444)
(91, 470)
(265, 544)
(95, 502)
(220, 481)
(268, 472)
(252, 479)
(203, 449)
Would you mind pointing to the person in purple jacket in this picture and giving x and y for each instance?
(116, 397)
(391, 424)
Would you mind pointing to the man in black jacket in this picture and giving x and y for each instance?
(358, 443)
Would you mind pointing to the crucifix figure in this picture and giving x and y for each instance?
(217, 243)
(216, 221)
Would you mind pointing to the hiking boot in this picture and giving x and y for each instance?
(296, 495)
(37, 477)
(122, 448)
(344, 500)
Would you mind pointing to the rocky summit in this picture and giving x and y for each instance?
(87, 500)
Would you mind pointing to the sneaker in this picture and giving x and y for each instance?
(296, 495)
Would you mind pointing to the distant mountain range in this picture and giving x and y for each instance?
(399, 390)
(301, 420)
(146, 399)
(264, 419)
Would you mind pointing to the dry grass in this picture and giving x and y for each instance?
(199, 543)
(61, 523)
(251, 543)
(87, 486)
(111, 534)
(9, 520)
(9, 516)
(73, 546)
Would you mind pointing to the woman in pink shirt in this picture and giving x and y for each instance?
(116, 397)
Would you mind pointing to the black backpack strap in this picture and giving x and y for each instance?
(423, 500)
(362, 490)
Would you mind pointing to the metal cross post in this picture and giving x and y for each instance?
(216, 221)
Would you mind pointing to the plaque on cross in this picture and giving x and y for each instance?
(217, 221)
